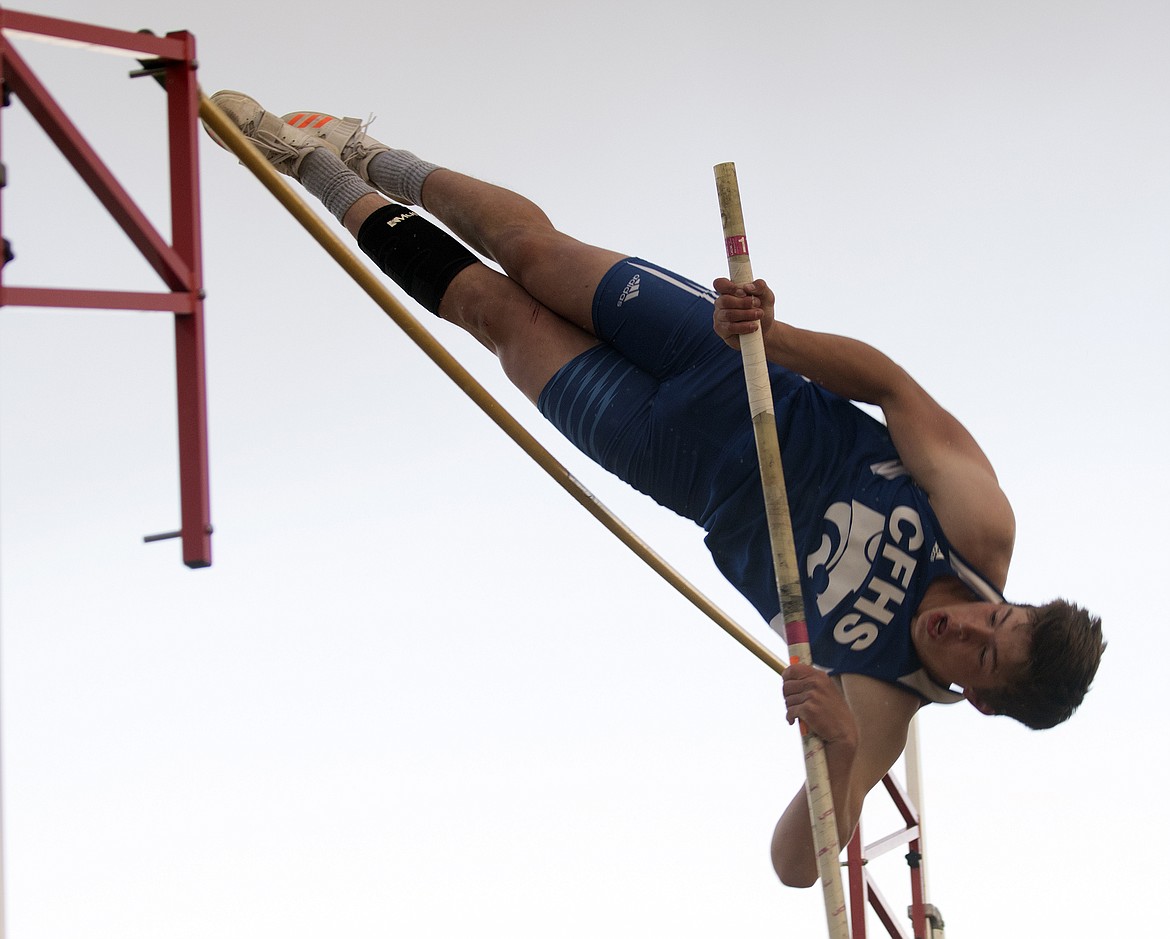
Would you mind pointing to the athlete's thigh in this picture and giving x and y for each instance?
(531, 342)
(563, 274)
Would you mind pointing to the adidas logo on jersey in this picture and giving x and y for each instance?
(631, 290)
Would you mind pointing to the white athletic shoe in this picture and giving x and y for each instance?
(284, 146)
(346, 135)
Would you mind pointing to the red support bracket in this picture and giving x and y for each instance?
(863, 890)
(178, 262)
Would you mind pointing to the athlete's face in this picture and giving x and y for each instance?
(977, 646)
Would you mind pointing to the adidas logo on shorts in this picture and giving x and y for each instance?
(631, 290)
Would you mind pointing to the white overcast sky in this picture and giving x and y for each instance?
(422, 693)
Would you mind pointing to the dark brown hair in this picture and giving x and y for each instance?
(1065, 651)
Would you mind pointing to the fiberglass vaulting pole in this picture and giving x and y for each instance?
(755, 367)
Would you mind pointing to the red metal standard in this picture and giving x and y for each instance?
(178, 264)
(862, 888)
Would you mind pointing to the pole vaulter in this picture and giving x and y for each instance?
(908, 535)
(759, 389)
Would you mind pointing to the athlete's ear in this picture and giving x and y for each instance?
(975, 699)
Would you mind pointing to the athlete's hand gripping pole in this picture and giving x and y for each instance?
(755, 368)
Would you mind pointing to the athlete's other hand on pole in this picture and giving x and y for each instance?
(812, 696)
(742, 309)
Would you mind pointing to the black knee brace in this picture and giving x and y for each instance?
(421, 258)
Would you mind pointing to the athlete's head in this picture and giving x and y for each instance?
(1063, 655)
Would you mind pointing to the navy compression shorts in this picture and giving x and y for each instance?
(661, 403)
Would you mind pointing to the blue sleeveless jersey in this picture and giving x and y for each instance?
(866, 537)
(661, 402)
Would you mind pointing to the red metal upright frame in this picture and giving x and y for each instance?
(863, 891)
(178, 263)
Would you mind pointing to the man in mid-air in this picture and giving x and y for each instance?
(903, 534)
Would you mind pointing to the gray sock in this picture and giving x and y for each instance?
(324, 175)
(400, 175)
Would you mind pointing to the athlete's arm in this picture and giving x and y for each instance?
(863, 725)
(935, 448)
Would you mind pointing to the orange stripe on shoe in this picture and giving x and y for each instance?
(306, 119)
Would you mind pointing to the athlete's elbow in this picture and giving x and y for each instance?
(794, 874)
(799, 880)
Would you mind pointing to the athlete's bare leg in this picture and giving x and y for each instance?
(559, 271)
(531, 341)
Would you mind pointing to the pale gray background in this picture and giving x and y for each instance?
(421, 692)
